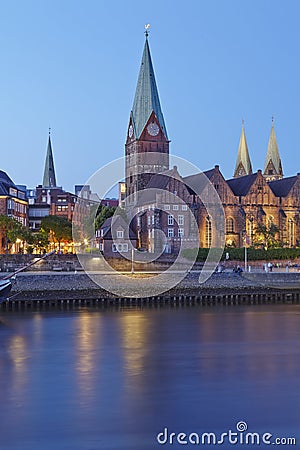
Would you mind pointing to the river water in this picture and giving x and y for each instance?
(114, 380)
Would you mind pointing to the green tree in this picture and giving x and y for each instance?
(103, 213)
(265, 235)
(59, 229)
(11, 230)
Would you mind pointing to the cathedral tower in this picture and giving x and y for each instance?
(273, 168)
(243, 163)
(147, 144)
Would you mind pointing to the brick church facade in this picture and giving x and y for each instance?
(159, 198)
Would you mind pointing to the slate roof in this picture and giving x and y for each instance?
(5, 183)
(146, 98)
(240, 186)
(282, 187)
(197, 182)
(106, 227)
(157, 181)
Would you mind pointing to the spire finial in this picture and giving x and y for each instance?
(272, 120)
(147, 28)
(49, 131)
(243, 122)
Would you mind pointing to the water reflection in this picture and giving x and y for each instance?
(134, 329)
(112, 379)
(86, 346)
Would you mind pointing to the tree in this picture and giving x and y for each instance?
(11, 230)
(103, 213)
(59, 229)
(265, 235)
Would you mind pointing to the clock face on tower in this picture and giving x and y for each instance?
(153, 129)
(130, 131)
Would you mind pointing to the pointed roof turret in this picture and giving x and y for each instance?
(273, 167)
(243, 164)
(49, 179)
(146, 98)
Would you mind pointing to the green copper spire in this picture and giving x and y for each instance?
(243, 163)
(273, 167)
(146, 98)
(49, 179)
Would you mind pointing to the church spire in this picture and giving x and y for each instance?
(49, 179)
(243, 163)
(273, 167)
(146, 100)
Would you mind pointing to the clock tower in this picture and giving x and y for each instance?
(147, 143)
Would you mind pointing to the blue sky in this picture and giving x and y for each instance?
(73, 65)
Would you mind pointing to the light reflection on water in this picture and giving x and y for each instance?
(114, 379)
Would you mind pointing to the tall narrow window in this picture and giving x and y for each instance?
(208, 232)
(291, 232)
(229, 225)
(170, 220)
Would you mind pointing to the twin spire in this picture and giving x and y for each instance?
(272, 168)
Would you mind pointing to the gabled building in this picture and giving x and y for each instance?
(116, 240)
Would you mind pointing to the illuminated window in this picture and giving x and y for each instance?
(208, 232)
(291, 232)
(229, 225)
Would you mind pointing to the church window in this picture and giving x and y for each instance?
(208, 232)
(230, 225)
(291, 232)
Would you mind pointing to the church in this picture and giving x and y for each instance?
(249, 199)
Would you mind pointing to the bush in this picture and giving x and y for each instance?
(238, 254)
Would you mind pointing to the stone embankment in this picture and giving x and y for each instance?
(44, 290)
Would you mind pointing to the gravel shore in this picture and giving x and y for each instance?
(49, 285)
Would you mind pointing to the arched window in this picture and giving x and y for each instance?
(208, 232)
(291, 232)
(229, 225)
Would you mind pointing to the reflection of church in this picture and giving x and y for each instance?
(248, 198)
